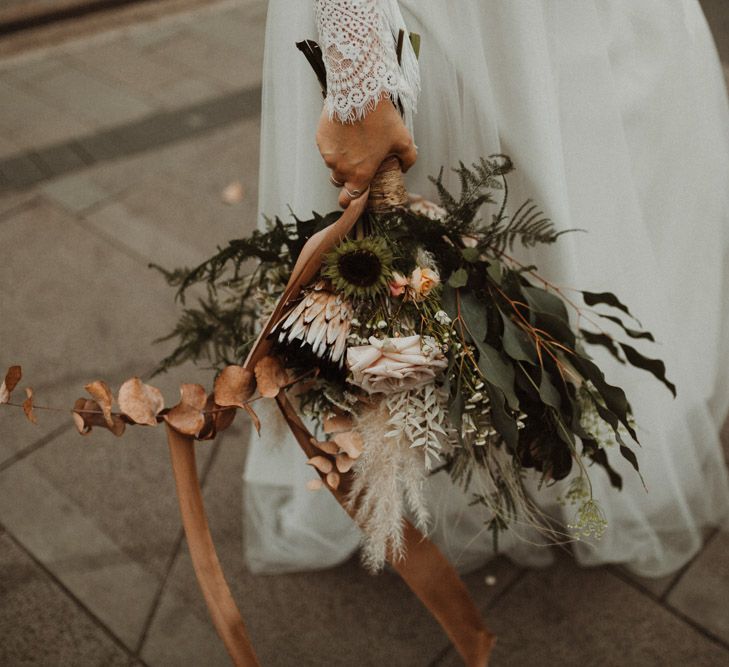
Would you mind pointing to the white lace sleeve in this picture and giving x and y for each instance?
(358, 42)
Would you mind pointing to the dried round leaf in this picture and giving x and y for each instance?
(79, 418)
(321, 463)
(87, 413)
(217, 419)
(141, 402)
(270, 376)
(333, 479)
(234, 386)
(338, 423)
(328, 446)
(28, 406)
(350, 442)
(12, 377)
(101, 393)
(187, 416)
(344, 463)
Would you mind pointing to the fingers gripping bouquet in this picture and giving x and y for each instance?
(418, 345)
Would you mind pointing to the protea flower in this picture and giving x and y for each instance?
(320, 322)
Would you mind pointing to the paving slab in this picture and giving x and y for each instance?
(74, 308)
(31, 120)
(328, 617)
(566, 615)
(703, 591)
(41, 625)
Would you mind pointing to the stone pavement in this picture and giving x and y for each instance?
(114, 151)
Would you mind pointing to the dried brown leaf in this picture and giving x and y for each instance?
(140, 402)
(333, 479)
(344, 463)
(321, 463)
(338, 423)
(217, 419)
(87, 413)
(28, 406)
(328, 446)
(234, 386)
(101, 393)
(270, 376)
(187, 416)
(12, 377)
(350, 443)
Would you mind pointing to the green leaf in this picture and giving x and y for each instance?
(490, 362)
(458, 278)
(503, 422)
(497, 372)
(614, 397)
(599, 456)
(495, 270)
(548, 392)
(471, 254)
(654, 366)
(604, 340)
(606, 298)
(517, 343)
(473, 313)
(542, 301)
(631, 332)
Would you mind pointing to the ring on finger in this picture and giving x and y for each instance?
(353, 194)
(335, 182)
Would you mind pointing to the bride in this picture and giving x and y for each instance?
(615, 114)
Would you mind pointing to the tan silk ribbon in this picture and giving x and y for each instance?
(425, 570)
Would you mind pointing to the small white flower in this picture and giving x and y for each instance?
(442, 317)
(382, 324)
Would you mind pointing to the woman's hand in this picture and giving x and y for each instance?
(354, 151)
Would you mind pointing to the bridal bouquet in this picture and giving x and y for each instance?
(421, 346)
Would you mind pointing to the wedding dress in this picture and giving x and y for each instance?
(615, 114)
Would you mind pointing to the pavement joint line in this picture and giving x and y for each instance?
(34, 446)
(520, 575)
(150, 132)
(21, 207)
(680, 574)
(686, 620)
(64, 589)
(175, 552)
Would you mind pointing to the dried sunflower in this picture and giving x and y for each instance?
(359, 268)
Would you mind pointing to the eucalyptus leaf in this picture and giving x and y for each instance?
(458, 278)
(503, 422)
(631, 332)
(498, 372)
(603, 340)
(548, 392)
(470, 254)
(654, 366)
(607, 299)
(517, 343)
(599, 456)
(542, 301)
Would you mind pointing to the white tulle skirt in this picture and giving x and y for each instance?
(615, 114)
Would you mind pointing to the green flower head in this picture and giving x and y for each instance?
(359, 267)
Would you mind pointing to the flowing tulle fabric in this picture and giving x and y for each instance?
(615, 113)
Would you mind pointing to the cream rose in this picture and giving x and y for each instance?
(423, 280)
(395, 364)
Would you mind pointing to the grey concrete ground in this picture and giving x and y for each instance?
(114, 151)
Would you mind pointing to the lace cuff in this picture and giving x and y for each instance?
(357, 39)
